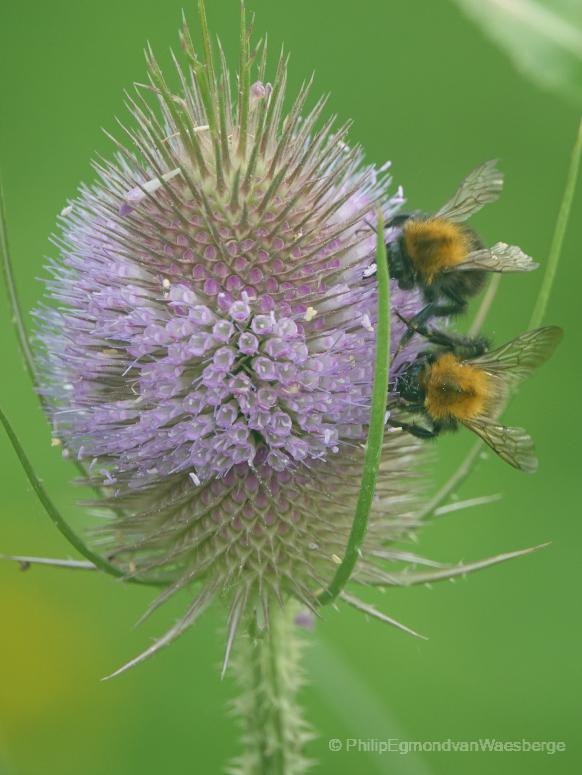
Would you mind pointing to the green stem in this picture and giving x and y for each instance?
(376, 428)
(279, 755)
(559, 233)
(14, 305)
(267, 667)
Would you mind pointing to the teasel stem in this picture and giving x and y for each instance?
(373, 452)
(267, 667)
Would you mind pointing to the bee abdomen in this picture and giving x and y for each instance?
(456, 390)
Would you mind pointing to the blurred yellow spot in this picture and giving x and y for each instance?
(41, 651)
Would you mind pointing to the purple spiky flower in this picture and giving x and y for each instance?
(209, 358)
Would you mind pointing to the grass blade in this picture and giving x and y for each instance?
(559, 233)
(376, 427)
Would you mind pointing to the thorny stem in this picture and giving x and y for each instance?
(267, 667)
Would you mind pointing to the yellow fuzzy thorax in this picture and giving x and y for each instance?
(455, 390)
(434, 245)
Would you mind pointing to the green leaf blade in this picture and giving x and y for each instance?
(543, 38)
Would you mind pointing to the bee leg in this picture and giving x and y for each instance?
(453, 305)
(420, 431)
(448, 341)
(463, 346)
(434, 310)
(417, 430)
(415, 325)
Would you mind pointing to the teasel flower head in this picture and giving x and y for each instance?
(208, 354)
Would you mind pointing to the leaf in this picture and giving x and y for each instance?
(543, 38)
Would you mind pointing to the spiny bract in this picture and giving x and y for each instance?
(210, 355)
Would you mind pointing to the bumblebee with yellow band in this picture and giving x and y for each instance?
(445, 258)
(462, 381)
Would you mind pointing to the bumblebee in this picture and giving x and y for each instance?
(462, 381)
(445, 258)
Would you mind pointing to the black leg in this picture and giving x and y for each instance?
(463, 346)
(416, 324)
(416, 430)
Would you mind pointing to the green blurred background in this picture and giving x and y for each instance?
(428, 91)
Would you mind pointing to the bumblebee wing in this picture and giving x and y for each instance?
(514, 445)
(481, 186)
(517, 359)
(500, 258)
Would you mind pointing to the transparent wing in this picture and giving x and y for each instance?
(481, 186)
(514, 445)
(517, 359)
(500, 258)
